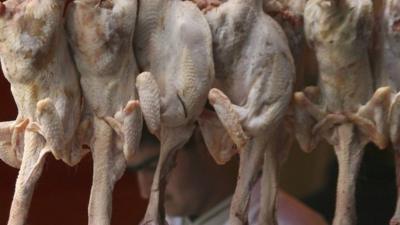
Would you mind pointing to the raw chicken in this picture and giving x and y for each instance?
(173, 45)
(255, 75)
(343, 108)
(386, 68)
(385, 63)
(101, 34)
(289, 14)
(207, 5)
(44, 82)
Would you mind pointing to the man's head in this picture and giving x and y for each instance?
(196, 183)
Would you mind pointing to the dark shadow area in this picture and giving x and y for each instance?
(375, 192)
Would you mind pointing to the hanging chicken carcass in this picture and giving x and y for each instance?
(44, 82)
(344, 109)
(255, 74)
(173, 46)
(100, 35)
(386, 64)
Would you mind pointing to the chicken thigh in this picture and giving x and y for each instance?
(173, 45)
(343, 108)
(44, 82)
(100, 35)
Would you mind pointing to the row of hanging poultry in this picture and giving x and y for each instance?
(87, 73)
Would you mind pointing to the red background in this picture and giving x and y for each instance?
(62, 193)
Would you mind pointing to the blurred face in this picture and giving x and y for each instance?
(191, 185)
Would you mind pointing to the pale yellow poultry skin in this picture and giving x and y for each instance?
(343, 108)
(100, 34)
(44, 82)
(173, 47)
(265, 77)
(386, 69)
(334, 110)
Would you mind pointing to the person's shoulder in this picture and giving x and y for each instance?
(291, 211)
(174, 220)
